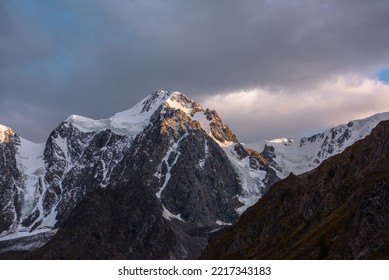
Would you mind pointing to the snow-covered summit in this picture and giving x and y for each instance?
(304, 155)
(147, 106)
(132, 121)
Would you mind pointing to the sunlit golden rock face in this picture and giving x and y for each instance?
(5, 133)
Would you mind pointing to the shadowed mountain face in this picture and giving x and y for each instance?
(338, 211)
(124, 223)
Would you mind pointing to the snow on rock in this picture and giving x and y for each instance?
(173, 150)
(201, 162)
(86, 124)
(131, 122)
(220, 223)
(31, 165)
(251, 179)
(169, 216)
(30, 162)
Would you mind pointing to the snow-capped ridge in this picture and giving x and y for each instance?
(132, 121)
(304, 155)
(147, 106)
(85, 124)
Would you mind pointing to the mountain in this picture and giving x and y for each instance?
(151, 182)
(340, 210)
(286, 155)
(176, 170)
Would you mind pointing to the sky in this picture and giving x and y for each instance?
(270, 68)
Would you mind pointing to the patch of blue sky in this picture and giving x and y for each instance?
(59, 18)
(383, 75)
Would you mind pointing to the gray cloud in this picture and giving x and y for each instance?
(95, 58)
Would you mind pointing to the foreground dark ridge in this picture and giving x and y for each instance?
(338, 211)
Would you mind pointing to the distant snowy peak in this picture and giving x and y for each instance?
(301, 156)
(337, 139)
(356, 129)
(5, 133)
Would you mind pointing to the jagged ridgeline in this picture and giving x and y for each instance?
(175, 164)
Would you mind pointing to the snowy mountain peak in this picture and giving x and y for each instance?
(151, 103)
(181, 102)
(129, 122)
(155, 100)
(5, 133)
(136, 118)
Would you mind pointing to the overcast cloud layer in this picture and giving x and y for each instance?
(270, 68)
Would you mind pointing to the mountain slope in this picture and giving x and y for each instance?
(112, 224)
(338, 211)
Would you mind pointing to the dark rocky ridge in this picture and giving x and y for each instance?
(87, 153)
(338, 211)
(10, 182)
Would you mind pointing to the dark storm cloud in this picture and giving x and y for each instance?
(236, 44)
(97, 57)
